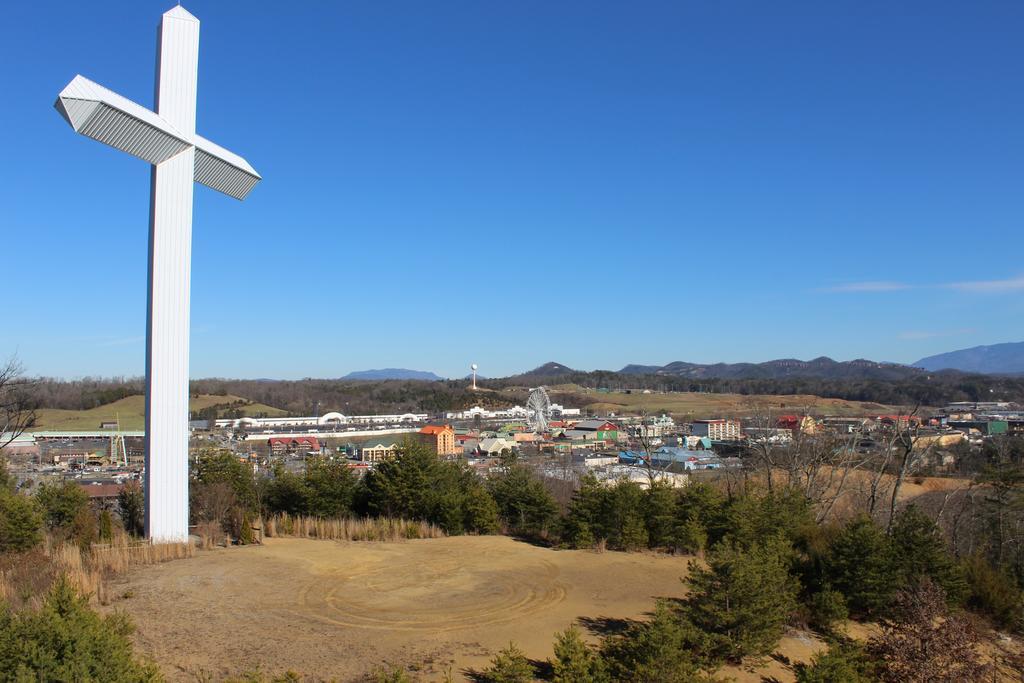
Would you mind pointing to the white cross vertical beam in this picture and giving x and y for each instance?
(166, 139)
(170, 259)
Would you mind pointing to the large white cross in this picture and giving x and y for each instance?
(167, 139)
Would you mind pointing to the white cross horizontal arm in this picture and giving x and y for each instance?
(103, 115)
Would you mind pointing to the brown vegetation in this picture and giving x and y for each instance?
(350, 529)
(26, 577)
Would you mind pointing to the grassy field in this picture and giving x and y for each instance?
(130, 411)
(696, 406)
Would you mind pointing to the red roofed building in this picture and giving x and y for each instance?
(280, 445)
(797, 423)
(441, 438)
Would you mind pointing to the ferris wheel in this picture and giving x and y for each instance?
(538, 407)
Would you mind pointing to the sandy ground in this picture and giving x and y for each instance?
(338, 609)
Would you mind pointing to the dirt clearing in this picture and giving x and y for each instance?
(337, 609)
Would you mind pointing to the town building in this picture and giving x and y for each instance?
(376, 450)
(496, 446)
(440, 438)
(594, 430)
(717, 430)
(293, 444)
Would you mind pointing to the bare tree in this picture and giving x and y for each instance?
(909, 455)
(925, 643)
(646, 441)
(17, 402)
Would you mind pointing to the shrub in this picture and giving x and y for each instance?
(510, 666)
(842, 662)
(828, 607)
(21, 523)
(662, 650)
(994, 593)
(575, 662)
(924, 643)
(66, 641)
(131, 505)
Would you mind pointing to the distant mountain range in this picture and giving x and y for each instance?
(996, 359)
(393, 373)
(1005, 359)
(819, 368)
(822, 368)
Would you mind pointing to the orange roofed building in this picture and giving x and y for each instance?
(441, 438)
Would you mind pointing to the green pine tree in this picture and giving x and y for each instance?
(21, 523)
(131, 506)
(860, 565)
(66, 641)
(510, 666)
(659, 515)
(744, 598)
(842, 662)
(662, 650)
(575, 662)
(919, 551)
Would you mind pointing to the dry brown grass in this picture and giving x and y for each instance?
(30, 575)
(349, 529)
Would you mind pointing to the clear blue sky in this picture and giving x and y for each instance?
(596, 183)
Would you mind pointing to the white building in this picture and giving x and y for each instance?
(326, 420)
(718, 430)
(513, 413)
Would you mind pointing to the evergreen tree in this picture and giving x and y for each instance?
(583, 524)
(756, 516)
(662, 650)
(524, 504)
(331, 487)
(744, 598)
(860, 565)
(828, 607)
(62, 503)
(131, 506)
(67, 641)
(215, 466)
(405, 486)
(994, 592)
(480, 510)
(842, 662)
(21, 523)
(575, 662)
(919, 551)
(690, 536)
(510, 666)
(625, 517)
(701, 506)
(659, 515)
(287, 493)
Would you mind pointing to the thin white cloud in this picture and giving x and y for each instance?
(932, 334)
(870, 286)
(1013, 284)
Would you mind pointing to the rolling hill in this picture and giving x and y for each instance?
(130, 412)
(393, 373)
(821, 368)
(995, 359)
